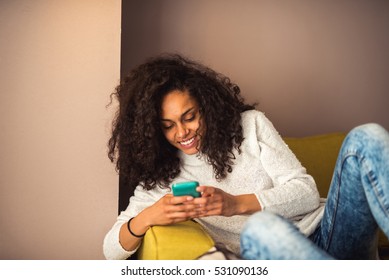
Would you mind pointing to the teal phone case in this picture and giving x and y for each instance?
(186, 188)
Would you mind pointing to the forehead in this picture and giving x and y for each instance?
(176, 103)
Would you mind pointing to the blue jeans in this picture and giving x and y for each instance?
(357, 204)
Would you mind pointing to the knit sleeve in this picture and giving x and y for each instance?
(294, 192)
(138, 202)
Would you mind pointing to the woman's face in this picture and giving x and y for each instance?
(181, 121)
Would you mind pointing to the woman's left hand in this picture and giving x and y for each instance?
(216, 202)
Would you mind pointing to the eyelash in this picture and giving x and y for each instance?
(186, 120)
(167, 127)
(190, 119)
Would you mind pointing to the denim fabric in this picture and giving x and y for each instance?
(357, 204)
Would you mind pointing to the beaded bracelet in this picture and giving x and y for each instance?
(129, 229)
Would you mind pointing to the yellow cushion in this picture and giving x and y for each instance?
(181, 241)
(318, 155)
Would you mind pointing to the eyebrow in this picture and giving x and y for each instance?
(182, 115)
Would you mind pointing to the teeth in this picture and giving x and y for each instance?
(188, 142)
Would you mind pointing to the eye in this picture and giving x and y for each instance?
(167, 126)
(190, 118)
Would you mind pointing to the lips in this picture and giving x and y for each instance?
(189, 143)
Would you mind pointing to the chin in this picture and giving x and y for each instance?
(190, 152)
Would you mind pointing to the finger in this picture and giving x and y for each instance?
(184, 215)
(174, 208)
(208, 200)
(201, 188)
(179, 199)
(205, 190)
(201, 200)
(215, 208)
(208, 213)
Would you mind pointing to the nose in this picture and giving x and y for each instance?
(182, 131)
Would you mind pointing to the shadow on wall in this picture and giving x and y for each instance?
(141, 34)
(314, 67)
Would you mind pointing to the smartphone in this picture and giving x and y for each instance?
(186, 188)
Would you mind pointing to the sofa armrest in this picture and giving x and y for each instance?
(182, 241)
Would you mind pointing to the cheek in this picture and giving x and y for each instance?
(169, 135)
(195, 126)
(201, 127)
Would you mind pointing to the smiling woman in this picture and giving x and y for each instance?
(166, 112)
(181, 121)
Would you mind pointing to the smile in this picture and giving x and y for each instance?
(187, 142)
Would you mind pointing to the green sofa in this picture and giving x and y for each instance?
(188, 240)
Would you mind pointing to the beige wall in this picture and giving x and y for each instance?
(314, 66)
(59, 60)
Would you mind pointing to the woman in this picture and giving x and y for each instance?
(181, 121)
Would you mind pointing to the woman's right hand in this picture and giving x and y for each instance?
(170, 210)
(166, 211)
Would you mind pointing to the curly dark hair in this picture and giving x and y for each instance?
(138, 145)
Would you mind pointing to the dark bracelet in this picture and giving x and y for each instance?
(129, 229)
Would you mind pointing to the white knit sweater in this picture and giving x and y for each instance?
(266, 167)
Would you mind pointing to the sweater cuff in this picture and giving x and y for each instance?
(113, 250)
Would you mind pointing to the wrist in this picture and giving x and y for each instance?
(136, 227)
(247, 204)
(133, 233)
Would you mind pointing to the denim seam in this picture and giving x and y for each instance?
(332, 221)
